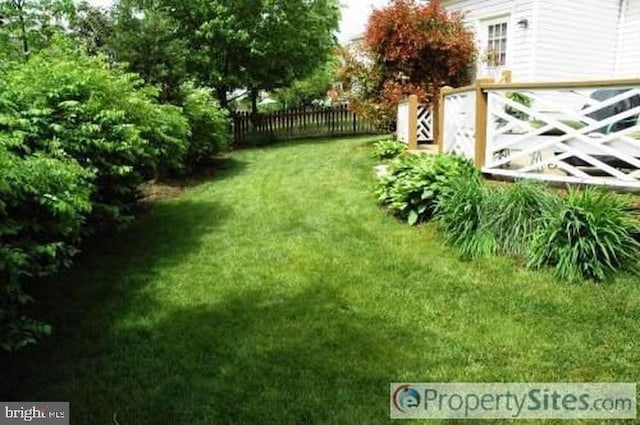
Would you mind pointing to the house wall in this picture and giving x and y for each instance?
(576, 39)
(520, 54)
(629, 56)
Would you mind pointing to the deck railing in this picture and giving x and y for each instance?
(571, 132)
(416, 123)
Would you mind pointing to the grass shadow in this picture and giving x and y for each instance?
(253, 358)
(109, 280)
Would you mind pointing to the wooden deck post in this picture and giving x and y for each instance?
(439, 106)
(435, 120)
(481, 122)
(506, 76)
(413, 122)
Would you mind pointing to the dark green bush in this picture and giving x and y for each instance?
(104, 118)
(43, 205)
(388, 149)
(414, 183)
(463, 215)
(588, 235)
(209, 125)
(77, 138)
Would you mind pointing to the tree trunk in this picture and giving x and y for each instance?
(254, 101)
(221, 93)
(23, 28)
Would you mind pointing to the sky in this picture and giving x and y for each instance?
(355, 14)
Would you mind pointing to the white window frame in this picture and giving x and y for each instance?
(483, 31)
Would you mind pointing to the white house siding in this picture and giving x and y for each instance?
(629, 56)
(576, 40)
(520, 40)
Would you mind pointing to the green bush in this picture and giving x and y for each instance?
(43, 205)
(388, 149)
(209, 125)
(167, 131)
(463, 215)
(515, 213)
(415, 182)
(588, 235)
(104, 118)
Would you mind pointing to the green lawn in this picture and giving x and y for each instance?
(278, 292)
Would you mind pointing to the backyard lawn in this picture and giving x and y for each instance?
(278, 292)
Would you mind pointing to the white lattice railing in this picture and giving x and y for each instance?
(578, 134)
(415, 123)
(425, 124)
(459, 123)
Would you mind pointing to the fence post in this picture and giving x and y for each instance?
(481, 122)
(413, 122)
(438, 119)
(506, 76)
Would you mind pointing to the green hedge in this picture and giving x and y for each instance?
(77, 138)
(44, 202)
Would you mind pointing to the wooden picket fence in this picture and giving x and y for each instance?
(251, 129)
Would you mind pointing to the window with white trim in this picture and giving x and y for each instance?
(497, 44)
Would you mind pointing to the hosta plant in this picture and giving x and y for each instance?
(412, 188)
(388, 149)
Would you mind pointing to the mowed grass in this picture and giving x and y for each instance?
(278, 292)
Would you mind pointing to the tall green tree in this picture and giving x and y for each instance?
(29, 25)
(249, 44)
(93, 27)
(148, 41)
(315, 87)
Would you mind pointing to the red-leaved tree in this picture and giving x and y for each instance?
(415, 49)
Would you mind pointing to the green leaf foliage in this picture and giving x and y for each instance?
(388, 149)
(63, 100)
(414, 184)
(515, 211)
(462, 214)
(44, 203)
(209, 124)
(588, 235)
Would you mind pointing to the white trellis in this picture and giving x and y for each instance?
(459, 123)
(425, 124)
(415, 123)
(564, 134)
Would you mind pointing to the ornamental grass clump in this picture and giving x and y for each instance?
(462, 214)
(515, 212)
(589, 235)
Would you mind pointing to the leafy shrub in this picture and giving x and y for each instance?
(388, 149)
(515, 212)
(104, 118)
(167, 131)
(209, 125)
(43, 205)
(586, 236)
(463, 215)
(415, 182)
